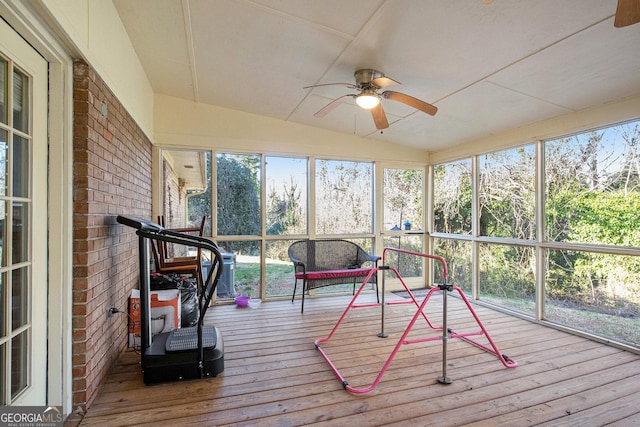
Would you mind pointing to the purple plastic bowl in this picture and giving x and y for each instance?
(242, 300)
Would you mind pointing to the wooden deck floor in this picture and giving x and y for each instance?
(274, 376)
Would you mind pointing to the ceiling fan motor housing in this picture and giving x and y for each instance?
(364, 77)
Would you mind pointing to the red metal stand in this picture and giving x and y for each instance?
(447, 333)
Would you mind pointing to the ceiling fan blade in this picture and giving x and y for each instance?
(627, 13)
(379, 117)
(333, 104)
(349, 85)
(410, 101)
(381, 82)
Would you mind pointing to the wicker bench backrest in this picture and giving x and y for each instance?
(321, 255)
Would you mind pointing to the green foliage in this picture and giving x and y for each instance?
(609, 218)
(507, 194)
(284, 212)
(508, 271)
(458, 257)
(403, 196)
(238, 207)
(452, 198)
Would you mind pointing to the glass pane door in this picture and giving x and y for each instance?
(403, 219)
(23, 192)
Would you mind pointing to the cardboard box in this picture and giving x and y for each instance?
(165, 313)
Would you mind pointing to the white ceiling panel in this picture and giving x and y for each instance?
(342, 16)
(252, 59)
(488, 68)
(169, 77)
(579, 71)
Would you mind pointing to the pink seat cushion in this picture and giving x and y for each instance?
(334, 274)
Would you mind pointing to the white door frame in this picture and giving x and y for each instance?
(412, 282)
(23, 59)
(27, 20)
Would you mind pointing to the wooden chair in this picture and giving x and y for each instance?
(191, 265)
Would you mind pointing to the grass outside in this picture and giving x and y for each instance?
(279, 278)
(625, 329)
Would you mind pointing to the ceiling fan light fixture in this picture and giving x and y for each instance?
(368, 100)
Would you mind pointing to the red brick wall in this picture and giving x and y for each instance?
(112, 175)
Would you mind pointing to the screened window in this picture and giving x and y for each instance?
(287, 206)
(595, 292)
(238, 194)
(593, 187)
(457, 254)
(344, 197)
(507, 193)
(507, 276)
(452, 197)
(588, 264)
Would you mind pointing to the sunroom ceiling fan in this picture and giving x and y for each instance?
(627, 13)
(368, 82)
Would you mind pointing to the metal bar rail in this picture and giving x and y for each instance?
(447, 333)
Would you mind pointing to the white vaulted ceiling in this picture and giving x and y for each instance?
(489, 68)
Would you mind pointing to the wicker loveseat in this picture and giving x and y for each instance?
(321, 263)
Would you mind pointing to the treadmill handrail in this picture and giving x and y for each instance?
(151, 230)
(154, 231)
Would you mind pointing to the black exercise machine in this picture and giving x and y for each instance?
(183, 353)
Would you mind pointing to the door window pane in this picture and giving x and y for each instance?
(3, 373)
(20, 233)
(3, 234)
(19, 298)
(287, 183)
(21, 171)
(19, 363)
(3, 312)
(238, 194)
(452, 195)
(20, 101)
(3, 90)
(344, 197)
(507, 193)
(4, 158)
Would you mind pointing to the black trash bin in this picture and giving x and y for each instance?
(226, 283)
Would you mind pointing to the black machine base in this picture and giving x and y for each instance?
(159, 365)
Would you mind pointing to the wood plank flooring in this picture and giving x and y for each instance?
(274, 376)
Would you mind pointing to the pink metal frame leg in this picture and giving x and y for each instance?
(447, 333)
